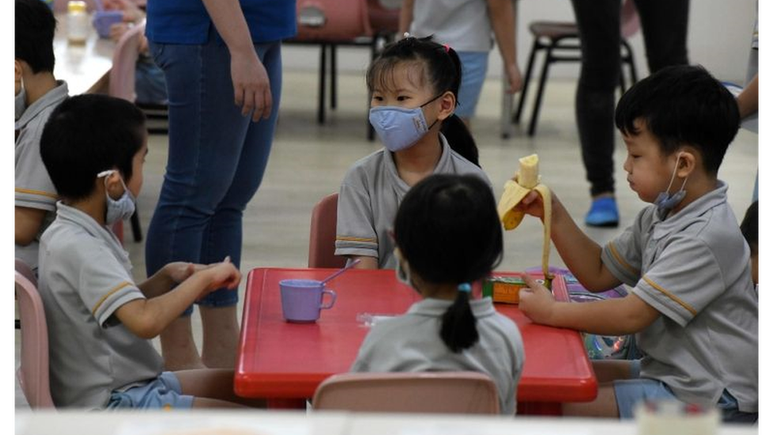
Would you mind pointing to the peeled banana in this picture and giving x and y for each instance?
(525, 181)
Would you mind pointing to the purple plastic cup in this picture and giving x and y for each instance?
(302, 299)
(104, 19)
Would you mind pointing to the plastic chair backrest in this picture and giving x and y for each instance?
(322, 234)
(332, 20)
(33, 370)
(384, 15)
(424, 392)
(124, 60)
(630, 19)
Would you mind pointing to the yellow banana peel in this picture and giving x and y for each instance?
(525, 181)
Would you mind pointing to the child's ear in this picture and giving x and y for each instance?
(112, 184)
(687, 162)
(448, 104)
(17, 75)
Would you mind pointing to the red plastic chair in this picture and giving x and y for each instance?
(33, 371)
(424, 392)
(330, 23)
(322, 234)
(384, 16)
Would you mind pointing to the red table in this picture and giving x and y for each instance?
(281, 360)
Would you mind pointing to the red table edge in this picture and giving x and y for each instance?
(265, 385)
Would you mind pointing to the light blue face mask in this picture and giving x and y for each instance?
(19, 104)
(121, 208)
(398, 127)
(664, 201)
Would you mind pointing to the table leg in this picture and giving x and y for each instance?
(539, 408)
(286, 403)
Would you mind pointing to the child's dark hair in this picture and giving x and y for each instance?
(682, 105)
(35, 25)
(86, 135)
(442, 68)
(448, 231)
(749, 227)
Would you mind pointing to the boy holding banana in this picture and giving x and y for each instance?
(692, 304)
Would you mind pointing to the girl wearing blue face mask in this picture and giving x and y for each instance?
(413, 86)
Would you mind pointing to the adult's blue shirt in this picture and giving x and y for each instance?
(187, 21)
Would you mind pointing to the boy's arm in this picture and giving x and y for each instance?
(165, 278)
(406, 17)
(748, 99)
(582, 255)
(503, 19)
(609, 317)
(27, 224)
(147, 318)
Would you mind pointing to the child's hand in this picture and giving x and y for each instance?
(532, 204)
(180, 271)
(220, 275)
(536, 302)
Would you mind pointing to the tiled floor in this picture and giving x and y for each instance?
(308, 161)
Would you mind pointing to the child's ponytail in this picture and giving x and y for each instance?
(460, 140)
(458, 324)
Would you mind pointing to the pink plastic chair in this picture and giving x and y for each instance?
(33, 371)
(425, 392)
(322, 234)
(124, 59)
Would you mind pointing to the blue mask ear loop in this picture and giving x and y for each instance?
(430, 101)
(674, 174)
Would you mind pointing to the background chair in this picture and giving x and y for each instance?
(563, 37)
(330, 23)
(122, 86)
(426, 392)
(33, 371)
(25, 270)
(322, 234)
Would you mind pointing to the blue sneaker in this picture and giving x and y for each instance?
(603, 213)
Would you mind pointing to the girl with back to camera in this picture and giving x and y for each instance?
(413, 86)
(447, 236)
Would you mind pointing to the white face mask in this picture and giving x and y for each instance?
(121, 208)
(19, 104)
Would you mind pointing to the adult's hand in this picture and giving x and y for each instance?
(251, 84)
(249, 77)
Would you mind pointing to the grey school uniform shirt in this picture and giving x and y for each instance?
(694, 269)
(33, 187)
(463, 24)
(412, 343)
(369, 198)
(85, 276)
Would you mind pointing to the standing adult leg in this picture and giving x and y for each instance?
(599, 28)
(223, 235)
(206, 137)
(665, 31)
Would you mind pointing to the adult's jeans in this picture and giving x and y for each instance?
(665, 28)
(216, 158)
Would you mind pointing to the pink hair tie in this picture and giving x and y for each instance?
(446, 47)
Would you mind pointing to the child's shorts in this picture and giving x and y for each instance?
(474, 66)
(629, 392)
(164, 392)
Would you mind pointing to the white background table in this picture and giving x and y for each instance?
(85, 67)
